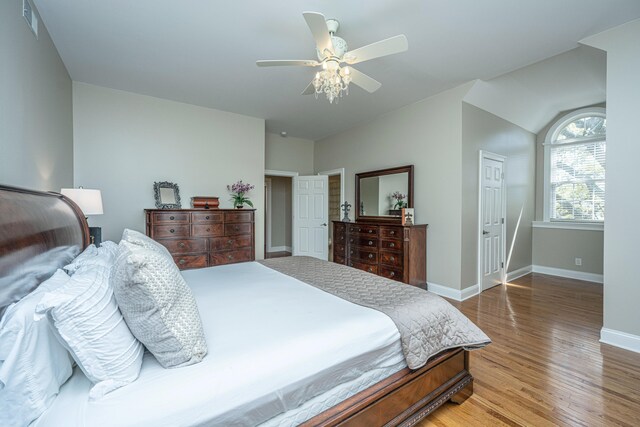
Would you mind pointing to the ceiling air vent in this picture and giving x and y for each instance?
(30, 16)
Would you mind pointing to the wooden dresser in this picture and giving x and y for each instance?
(390, 250)
(204, 237)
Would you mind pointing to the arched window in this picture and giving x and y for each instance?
(574, 152)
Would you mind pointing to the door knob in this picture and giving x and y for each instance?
(324, 224)
(484, 232)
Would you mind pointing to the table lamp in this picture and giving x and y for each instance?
(90, 202)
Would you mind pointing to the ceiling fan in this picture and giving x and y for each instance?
(336, 74)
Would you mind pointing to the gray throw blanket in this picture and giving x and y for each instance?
(427, 323)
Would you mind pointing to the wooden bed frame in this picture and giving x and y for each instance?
(33, 222)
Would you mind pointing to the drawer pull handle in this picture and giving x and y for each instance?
(230, 256)
(392, 232)
(351, 240)
(392, 259)
(237, 228)
(392, 245)
(172, 231)
(208, 229)
(370, 256)
(370, 270)
(370, 231)
(392, 274)
(182, 262)
(181, 244)
(370, 242)
(229, 242)
(350, 264)
(172, 217)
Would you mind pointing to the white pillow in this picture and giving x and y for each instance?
(87, 319)
(158, 306)
(104, 256)
(33, 363)
(145, 241)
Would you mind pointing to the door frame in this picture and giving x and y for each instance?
(341, 172)
(267, 214)
(499, 158)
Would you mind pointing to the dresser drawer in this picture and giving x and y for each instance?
(231, 257)
(362, 266)
(338, 259)
(338, 249)
(390, 258)
(391, 273)
(371, 230)
(197, 217)
(391, 232)
(207, 230)
(190, 261)
(340, 237)
(227, 243)
(363, 241)
(184, 246)
(232, 217)
(234, 229)
(172, 217)
(172, 230)
(391, 245)
(340, 228)
(369, 256)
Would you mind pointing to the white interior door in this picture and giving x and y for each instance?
(492, 221)
(310, 216)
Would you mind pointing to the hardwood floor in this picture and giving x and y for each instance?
(545, 366)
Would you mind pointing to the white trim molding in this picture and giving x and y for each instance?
(516, 274)
(278, 249)
(569, 274)
(589, 226)
(272, 172)
(454, 294)
(620, 339)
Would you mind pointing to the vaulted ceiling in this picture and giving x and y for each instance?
(203, 52)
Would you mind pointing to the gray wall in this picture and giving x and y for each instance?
(428, 135)
(484, 131)
(123, 142)
(280, 211)
(621, 233)
(288, 154)
(36, 127)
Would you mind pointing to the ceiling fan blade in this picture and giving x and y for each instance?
(281, 62)
(365, 82)
(384, 47)
(310, 89)
(318, 26)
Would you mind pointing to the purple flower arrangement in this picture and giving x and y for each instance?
(399, 198)
(238, 191)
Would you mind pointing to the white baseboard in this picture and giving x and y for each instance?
(620, 339)
(570, 274)
(469, 292)
(515, 274)
(279, 249)
(454, 294)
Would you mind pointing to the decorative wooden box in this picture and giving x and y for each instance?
(205, 202)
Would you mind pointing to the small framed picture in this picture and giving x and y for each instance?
(408, 216)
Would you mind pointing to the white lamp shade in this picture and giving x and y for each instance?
(89, 201)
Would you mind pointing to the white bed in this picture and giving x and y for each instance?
(280, 352)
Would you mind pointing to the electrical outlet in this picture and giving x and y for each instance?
(578, 261)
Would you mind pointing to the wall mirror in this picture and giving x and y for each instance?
(167, 195)
(381, 194)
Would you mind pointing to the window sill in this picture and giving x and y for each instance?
(590, 226)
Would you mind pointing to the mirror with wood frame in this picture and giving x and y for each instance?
(381, 194)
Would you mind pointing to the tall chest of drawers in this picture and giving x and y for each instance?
(393, 251)
(199, 238)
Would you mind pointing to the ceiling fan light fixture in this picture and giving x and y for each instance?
(333, 81)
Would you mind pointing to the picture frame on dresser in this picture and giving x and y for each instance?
(167, 195)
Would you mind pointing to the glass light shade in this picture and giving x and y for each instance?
(89, 201)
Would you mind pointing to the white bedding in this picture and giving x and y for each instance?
(274, 344)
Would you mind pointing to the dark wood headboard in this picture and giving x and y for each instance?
(39, 233)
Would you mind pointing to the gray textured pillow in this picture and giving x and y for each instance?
(158, 306)
(144, 241)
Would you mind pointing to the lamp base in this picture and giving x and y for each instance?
(96, 235)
